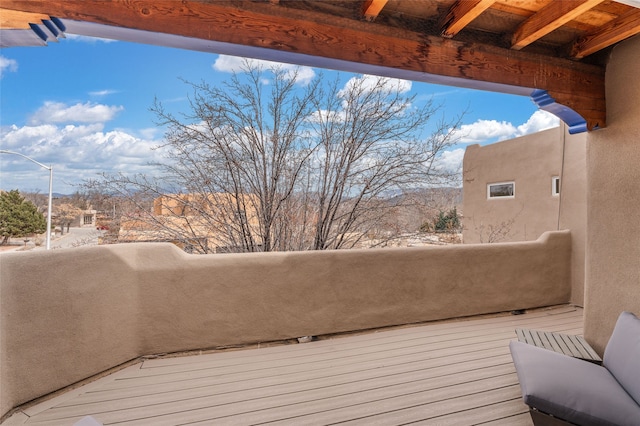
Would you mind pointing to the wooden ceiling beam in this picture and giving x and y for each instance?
(372, 8)
(548, 19)
(17, 20)
(311, 38)
(624, 26)
(461, 14)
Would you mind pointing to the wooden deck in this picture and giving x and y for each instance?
(443, 373)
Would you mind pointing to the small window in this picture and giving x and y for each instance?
(555, 185)
(501, 190)
(88, 219)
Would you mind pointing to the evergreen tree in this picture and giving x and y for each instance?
(18, 217)
(447, 222)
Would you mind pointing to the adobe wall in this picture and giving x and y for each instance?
(573, 209)
(613, 206)
(531, 162)
(67, 315)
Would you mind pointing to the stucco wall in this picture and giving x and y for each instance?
(531, 162)
(573, 209)
(613, 236)
(67, 317)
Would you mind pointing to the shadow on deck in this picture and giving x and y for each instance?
(451, 372)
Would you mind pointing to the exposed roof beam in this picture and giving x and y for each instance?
(371, 8)
(549, 18)
(461, 14)
(16, 20)
(619, 29)
(278, 34)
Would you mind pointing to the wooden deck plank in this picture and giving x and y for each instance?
(436, 355)
(433, 357)
(334, 409)
(205, 396)
(454, 372)
(436, 367)
(358, 353)
(261, 404)
(523, 419)
(418, 410)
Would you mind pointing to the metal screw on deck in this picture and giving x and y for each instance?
(50, 168)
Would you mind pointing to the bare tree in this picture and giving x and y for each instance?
(494, 233)
(65, 214)
(370, 148)
(38, 199)
(243, 148)
(277, 166)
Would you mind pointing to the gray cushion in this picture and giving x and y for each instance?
(622, 355)
(571, 389)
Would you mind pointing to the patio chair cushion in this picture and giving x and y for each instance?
(571, 389)
(622, 354)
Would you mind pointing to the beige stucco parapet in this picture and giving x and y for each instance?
(69, 314)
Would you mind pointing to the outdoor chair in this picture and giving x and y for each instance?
(560, 389)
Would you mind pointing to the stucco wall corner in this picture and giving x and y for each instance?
(613, 201)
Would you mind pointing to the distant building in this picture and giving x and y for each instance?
(524, 187)
(87, 219)
(192, 219)
(518, 189)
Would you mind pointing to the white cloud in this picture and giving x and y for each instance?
(369, 82)
(326, 115)
(450, 161)
(231, 64)
(304, 75)
(14, 136)
(6, 64)
(76, 152)
(105, 92)
(483, 131)
(540, 120)
(487, 131)
(58, 112)
(149, 133)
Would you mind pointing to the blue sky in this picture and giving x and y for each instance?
(82, 106)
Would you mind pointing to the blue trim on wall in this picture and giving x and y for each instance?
(51, 26)
(575, 122)
(59, 24)
(36, 29)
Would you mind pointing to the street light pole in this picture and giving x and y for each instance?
(50, 168)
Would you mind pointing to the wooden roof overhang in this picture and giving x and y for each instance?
(552, 50)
